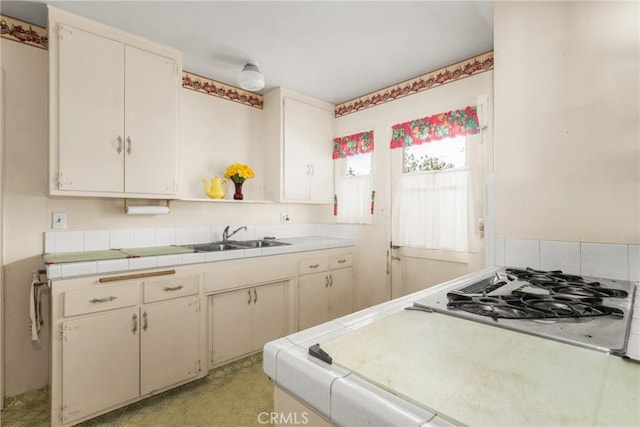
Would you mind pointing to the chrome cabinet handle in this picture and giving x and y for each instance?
(173, 288)
(331, 281)
(135, 323)
(146, 321)
(99, 300)
(342, 261)
(249, 292)
(314, 265)
(326, 281)
(312, 170)
(255, 296)
(119, 149)
(128, 145)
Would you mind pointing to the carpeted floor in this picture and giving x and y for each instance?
(230, 396)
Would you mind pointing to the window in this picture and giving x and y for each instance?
(353, 183)
(445, 154)
(431, 196)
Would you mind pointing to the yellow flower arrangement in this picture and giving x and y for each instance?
(238, 172)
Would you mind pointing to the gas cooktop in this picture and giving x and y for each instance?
(585, 311)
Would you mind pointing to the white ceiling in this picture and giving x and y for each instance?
(331, 50)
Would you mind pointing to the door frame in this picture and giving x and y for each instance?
(482, 205)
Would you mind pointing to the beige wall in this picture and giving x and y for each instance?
(216, 133)
(567, 149)
(373, 240)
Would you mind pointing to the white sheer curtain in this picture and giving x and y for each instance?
(431, 210)
(353, 194)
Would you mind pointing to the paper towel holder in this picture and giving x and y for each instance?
(130, 209)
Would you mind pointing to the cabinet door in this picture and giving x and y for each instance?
(91, 112)
(340, 292)
(313, 300)
(230, 323)
(269, 313)
(297, 165)
(169, 343)
(320, 155)
(151, 123)
(100, 362)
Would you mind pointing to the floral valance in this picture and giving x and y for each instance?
(433, 128)
(352, 145)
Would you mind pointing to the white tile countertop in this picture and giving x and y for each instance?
(397, 367)
(104, 262)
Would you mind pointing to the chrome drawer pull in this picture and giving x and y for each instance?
(173, 288)
(146, 322)
(342, 261)
(97, 300)
(314, 266)
(249, 292)
(255, 296)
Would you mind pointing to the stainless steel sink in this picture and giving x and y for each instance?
(229, 245)
(259, 243)
(214, 247)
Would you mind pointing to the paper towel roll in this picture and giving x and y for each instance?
(147, 210)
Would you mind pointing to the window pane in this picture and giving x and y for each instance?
(358, 165)
(449, 153)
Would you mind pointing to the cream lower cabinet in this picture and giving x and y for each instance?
(243, 321)
(325, 289)
(114, 344)
(95, 375)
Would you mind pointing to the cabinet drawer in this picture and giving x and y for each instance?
(100, 298)
(340, 261)
(159, 290)
(313, 265)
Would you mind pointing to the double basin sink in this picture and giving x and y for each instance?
(228, 245)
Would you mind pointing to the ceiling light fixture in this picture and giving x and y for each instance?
(250, 78)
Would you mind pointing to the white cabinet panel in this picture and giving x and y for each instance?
(230, 323)
(91, 112)
(115, 111)
(151, 123)
(313, 300)
(100, 362)
(169, 343)
(243, 321)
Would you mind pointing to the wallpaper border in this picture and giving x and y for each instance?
(36, 36)
(448, 74)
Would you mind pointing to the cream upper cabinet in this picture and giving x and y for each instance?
(308, 166)
(115, 112)
(299, 134)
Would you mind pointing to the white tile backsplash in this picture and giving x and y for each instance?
(69, 241)
(634, 262)
(563, 256)
(184, 235)
(165, 236)
(522, 253)
(121, 239)
(144, 237)
(604, 260)
(96, 240)
(78, 241)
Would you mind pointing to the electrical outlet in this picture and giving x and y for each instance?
(59, 220)
(284, 217)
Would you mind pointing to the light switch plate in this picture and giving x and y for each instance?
(59, 220)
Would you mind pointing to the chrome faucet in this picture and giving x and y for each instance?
(226, 235)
